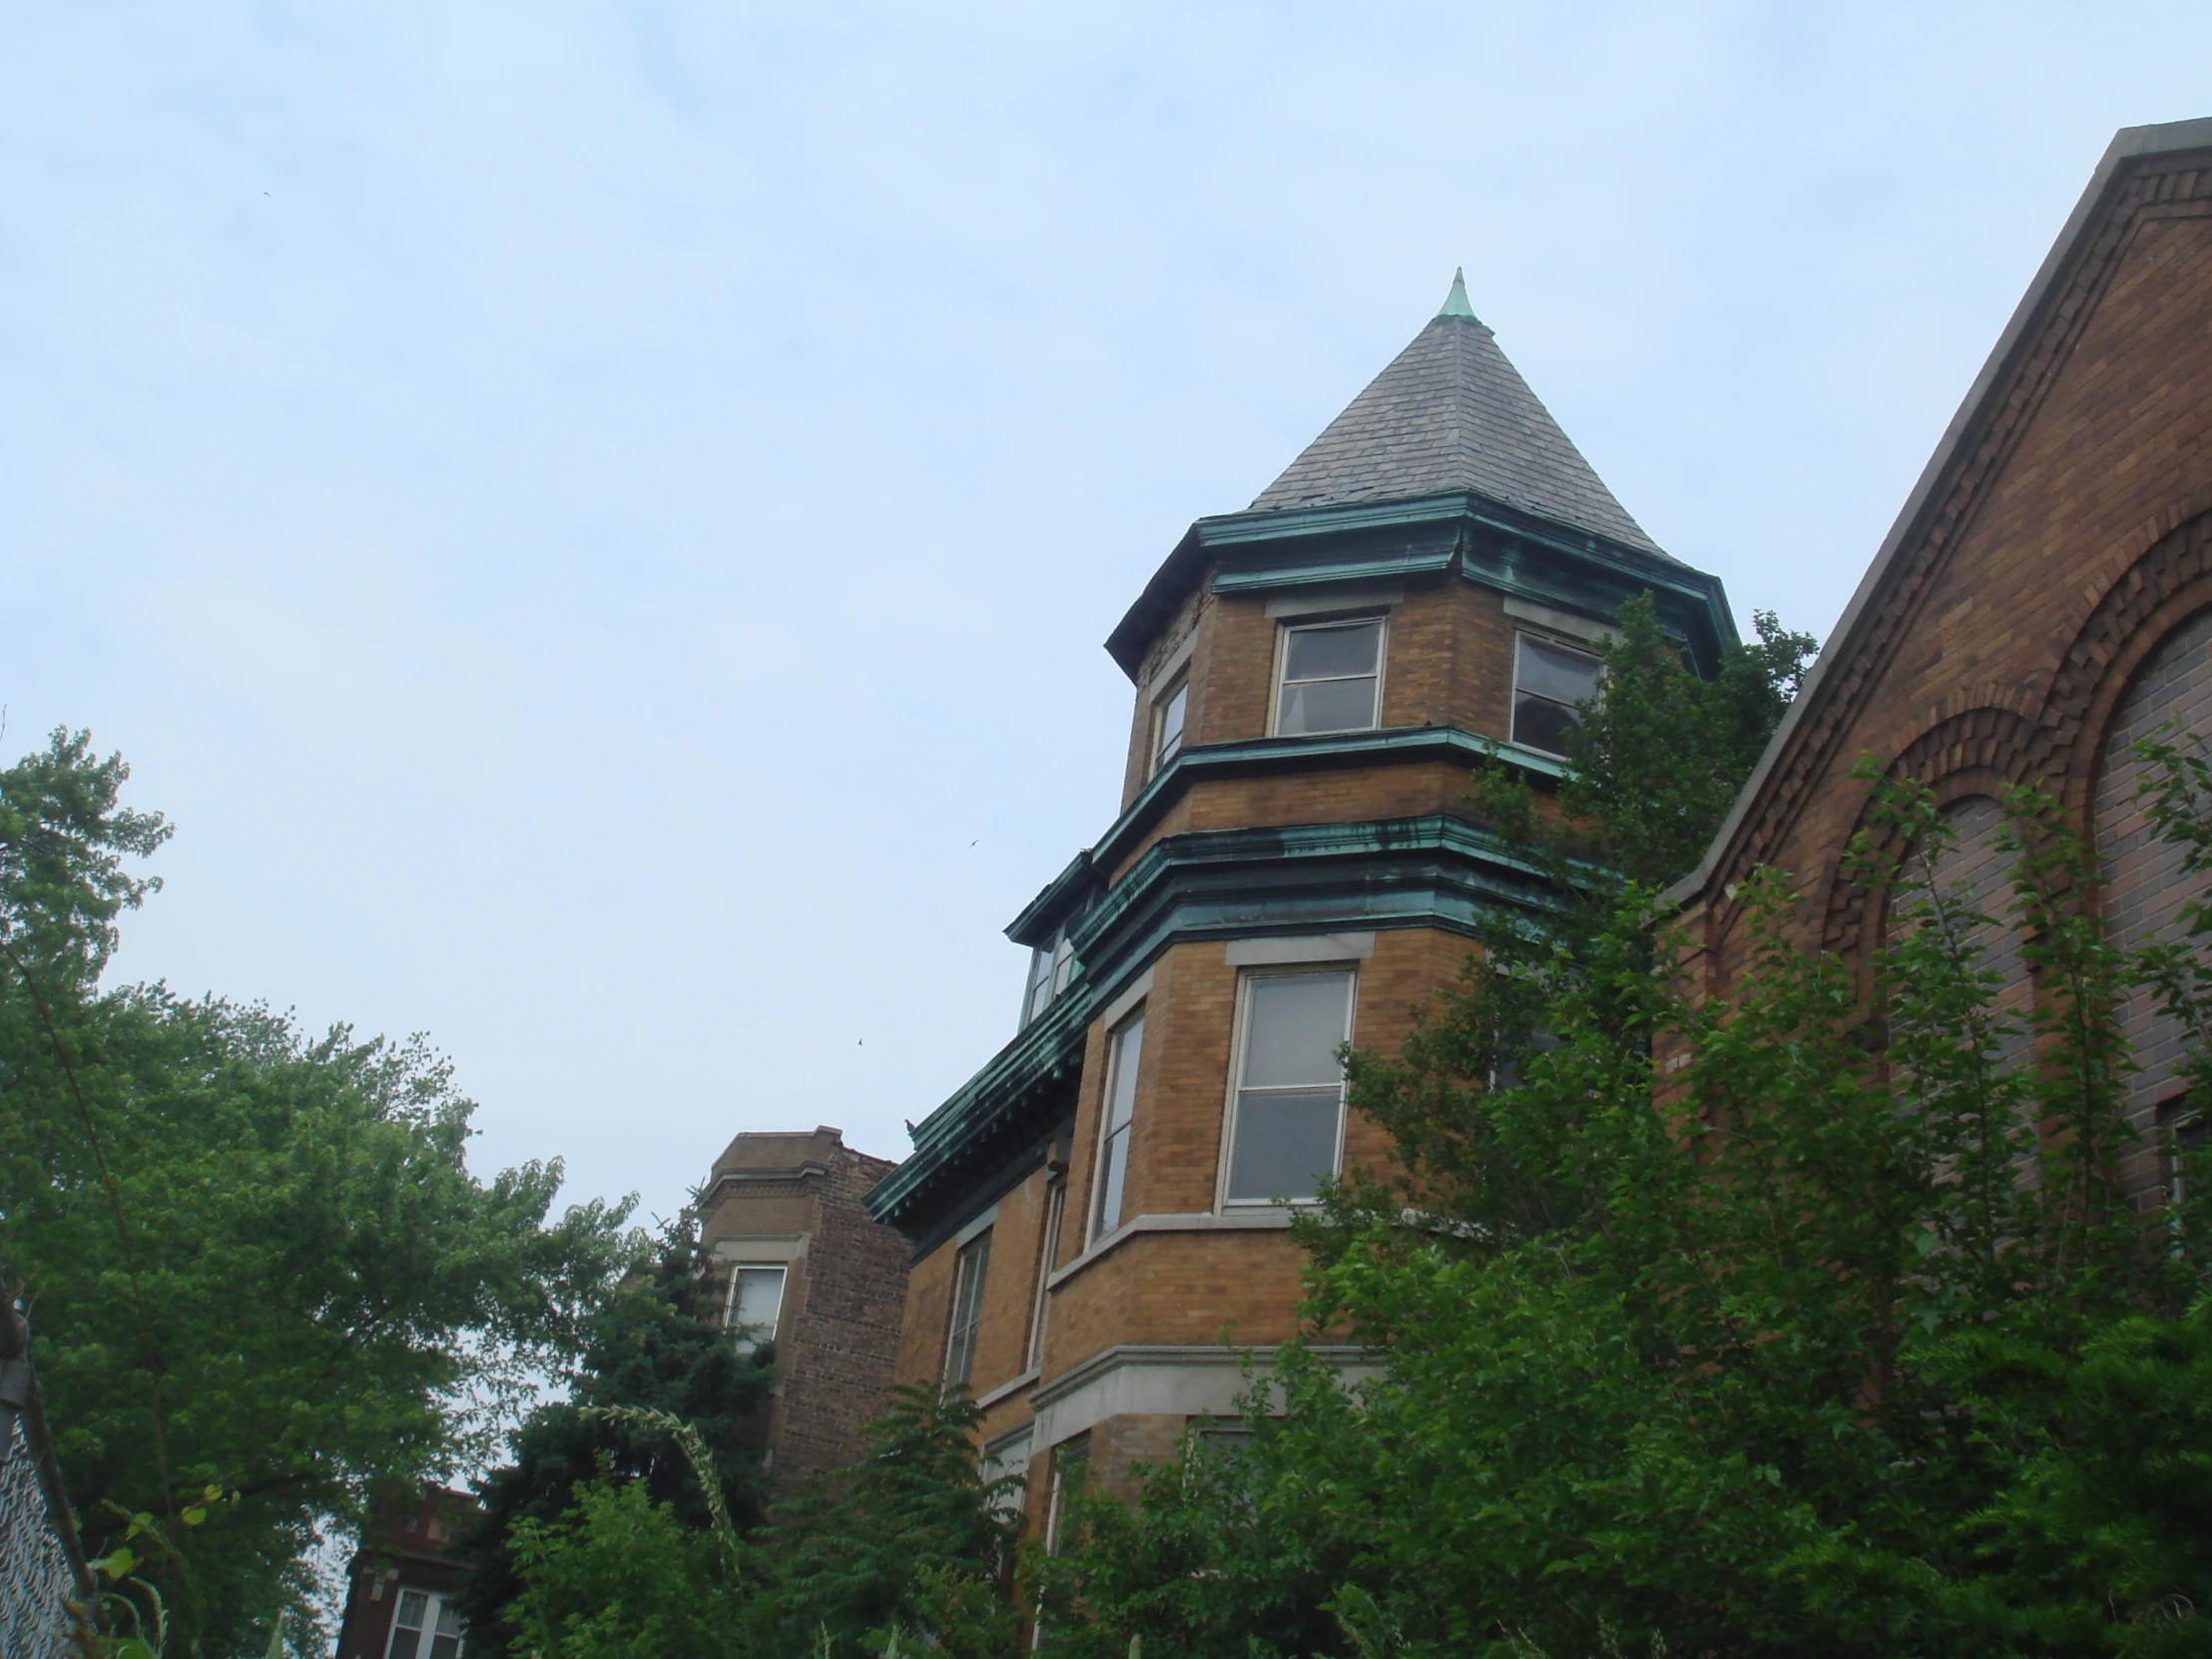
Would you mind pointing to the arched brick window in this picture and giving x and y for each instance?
(2143, 891)
(1977, 872)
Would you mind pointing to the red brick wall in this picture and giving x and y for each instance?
(2066, 541)
(843, 1341)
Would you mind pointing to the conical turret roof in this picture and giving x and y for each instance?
(1452, 413)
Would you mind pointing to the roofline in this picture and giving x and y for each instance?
(2128, 144)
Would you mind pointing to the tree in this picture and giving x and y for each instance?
(254, 1260)
(657, 1345)
(1818, 1346)
(1658, 756)
(912, 1548)
(915, 1539)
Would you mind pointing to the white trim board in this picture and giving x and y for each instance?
(1310, 948)
(1255, 1218)
(1329, 603)
(1144, 1379)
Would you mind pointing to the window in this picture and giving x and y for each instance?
(1167, 722)
(1287, 1116)
(1331, 671)
(1055, 1205)
(426, 1626)
(2183, 1131)
(1548, 680)
(969, 1270)
(1070, 1462)
(756, 1300)
(1121, 1110)
(1051, 966)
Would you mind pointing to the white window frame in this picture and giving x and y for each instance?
(775, 1327)
(1071, 1465)
(1051, 966)
(1096, 1227)
(1055, 1216)
(975, 1249)
(1512, 707)
(2176, 1118)
(1178, 685)
(1238, 1055)
(1310, 624)
(428, 1634)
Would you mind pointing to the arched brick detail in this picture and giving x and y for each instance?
(2143, 887)
(1974, 752)
(2054, 736)
(2169, 581)
(1976, 870)
(2169, 188)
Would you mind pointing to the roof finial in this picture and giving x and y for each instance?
(1456, 302)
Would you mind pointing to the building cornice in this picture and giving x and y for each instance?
(1086, 874)
(1431, 872)
(1492, 543)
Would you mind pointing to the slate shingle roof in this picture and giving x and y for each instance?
(1450, 413)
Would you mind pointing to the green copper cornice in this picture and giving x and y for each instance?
(1085, 874)
(1434, 872)
(1493, 544)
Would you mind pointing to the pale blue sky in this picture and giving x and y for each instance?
(583, 514)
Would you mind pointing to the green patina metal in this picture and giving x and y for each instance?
(1491, 544)
(1430, 871)
(1085, 875)
(1456, 302)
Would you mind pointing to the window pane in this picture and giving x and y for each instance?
(1113, 1176)
(1063, 964)
(1551, 671)
(449, 1619)
(1039, 994)
(1327, 705)
(1542, 724)
(405, 1644)
(968, 1272)
(1121, 1099)
(1320, 653)
(1171, 724)
(1286, 1143)
(1047, 1257)
(414, 1608)
(445, 1647)
(759, 1296)
(1292, 1024)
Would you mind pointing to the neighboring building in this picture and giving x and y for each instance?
(1097, 1217)
(401, 1580)
(2043, 601)
(809, 1270)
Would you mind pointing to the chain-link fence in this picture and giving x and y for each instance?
(36, 1581)
(41, 1568)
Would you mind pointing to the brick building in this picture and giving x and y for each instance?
(1098, 1218)
(2043, 600)
(809, 1270)
(401, 1583)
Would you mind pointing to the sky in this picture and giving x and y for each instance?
(598, 522)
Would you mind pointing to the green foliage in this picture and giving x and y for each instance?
(1661, 754)
(254, 1260)
(619, 1576)
(913, 1551)
(912, 1538)
(656, 1354)
(1805, 1342)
